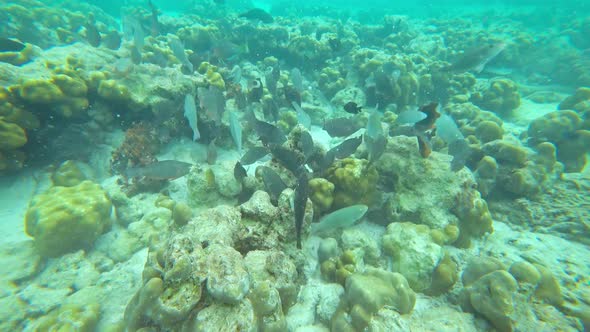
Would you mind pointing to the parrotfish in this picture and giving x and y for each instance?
(476, 58)
(347, 147)
(299, 204)
(254, 154)
(190, 113)
(160, 170)
(341, 127)
(257, 14)
(273, 183)
(10, 45)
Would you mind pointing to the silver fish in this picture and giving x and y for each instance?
(190, 113)
(476, 58)
(302, 117)
(300, 203)
(297, 79)
(160, 170)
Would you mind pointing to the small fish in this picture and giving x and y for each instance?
(447, 129)
(375, 147)
(273, 183)
(300, 203)
(154, 24)
(268, 133)
(135, 55)
(239, 172)
(410, 117)
(92, 34)
(306, 144)
(112, 40)
(292, 95)
(297, 79)
(347, 147)
(352, 108)
(224, 50)
(476, 58)
(235, 129)
(211, 152)
(190, 113)
(432, 114)
(255, 90)
(461, 151)
(212, 101)
(291, 160)
(341, 127)
(374, 128)
(178, 50)
(160, 170)
(257, 14)
(254, 154)
(10, 45)
(302, 117)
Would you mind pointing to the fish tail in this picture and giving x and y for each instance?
(299, 242)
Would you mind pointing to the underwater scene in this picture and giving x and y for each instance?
(309, 166)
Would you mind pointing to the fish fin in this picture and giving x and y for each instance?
(479, 67)
(424, 146)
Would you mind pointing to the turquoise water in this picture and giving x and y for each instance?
(278, 166)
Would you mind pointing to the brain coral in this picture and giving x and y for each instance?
(64, 219)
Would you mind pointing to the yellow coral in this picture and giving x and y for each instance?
(111, 90)
(354, 182)
(322, 194)
(68, 174)
(11, 135)
(67, 218)
(18, 58)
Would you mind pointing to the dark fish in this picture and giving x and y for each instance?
(112, 40)
(10, 45)
(239, 172)
(92, 34)
(270, 109)
(341, 127)
(352, 107)
(347, 147)
(268, 133)
(300, 203)
(461, 151)
(306, 144)
(424, 146)
(476, 58)
(272, 76)
(327, 160)
(432, 114)
(255, 90)
(292, 95)
(273, 183)
(160, 170)
(253, 155)
(257, 14)
(211, 153)
(291, 160)
(335, 44)
(375, 147)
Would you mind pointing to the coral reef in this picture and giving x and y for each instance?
(501, 96)
(68, 218)
(354, 182)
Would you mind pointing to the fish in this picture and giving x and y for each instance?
(160, 170)
(225, 50)
(302, 117)
(270, 109)
(112, 40)
(211, 152)
(273, 183)
(235, 129)
(271, 77)
(476, 58)
(375, 147)
(190, 113)
(254, 154)
(432, 114)
(347, 147)
(154, 24)
(292, 95)
(306, 144)
(213, 102)
(374, 128)
(268, 133)
(255, 90)
(92, 34)
(341, 127)
(461, 151)
(300, 203)
(410, 117)
(178, 50)
(327, 160)
(239, 172)
(447, 129)
(291, 160)
(257, 14)
(297, 79)
(344, 217)
(10, 45)
(135, 55)
(352, 108)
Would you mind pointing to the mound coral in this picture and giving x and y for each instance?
(68, 218)
(501, 96)
(354, 182)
